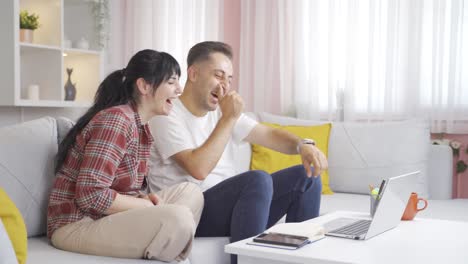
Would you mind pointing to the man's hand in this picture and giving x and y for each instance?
(311, 155)
(231, 105)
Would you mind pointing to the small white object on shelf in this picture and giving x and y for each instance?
(33, 92)
(67, 44)
(82, 44)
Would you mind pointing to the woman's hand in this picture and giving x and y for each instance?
(126, 202)
(152, 197)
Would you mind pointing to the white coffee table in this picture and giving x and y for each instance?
(418, 241)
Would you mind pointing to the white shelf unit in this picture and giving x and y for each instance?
(44, 61)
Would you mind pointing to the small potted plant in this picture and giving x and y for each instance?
(28, 23)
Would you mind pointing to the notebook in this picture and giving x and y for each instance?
(313, 231)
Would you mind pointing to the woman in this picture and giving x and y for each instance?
(97, 204)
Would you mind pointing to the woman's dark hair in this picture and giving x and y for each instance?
(119, 88)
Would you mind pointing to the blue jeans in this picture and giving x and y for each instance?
(249, 203)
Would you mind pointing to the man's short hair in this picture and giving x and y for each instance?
(203, 50)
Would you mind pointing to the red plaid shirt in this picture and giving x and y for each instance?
(109, 157)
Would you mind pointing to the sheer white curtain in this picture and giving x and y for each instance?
(357, 60)
(172, 26)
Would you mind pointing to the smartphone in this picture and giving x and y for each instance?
(281, 239)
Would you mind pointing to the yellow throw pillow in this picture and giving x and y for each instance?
(14, 225)
(271, 161)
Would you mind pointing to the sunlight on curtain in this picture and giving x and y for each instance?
(172, 26)
(357, 60)
(444, 64)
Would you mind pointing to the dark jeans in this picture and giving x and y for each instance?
(247, 204)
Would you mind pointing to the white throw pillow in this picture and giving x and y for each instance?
(365, 153)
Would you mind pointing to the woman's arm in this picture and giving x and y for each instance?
(125, 202)
(107, 140)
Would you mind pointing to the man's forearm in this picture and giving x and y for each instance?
(201, 161)
(274, 138)
(285, 141)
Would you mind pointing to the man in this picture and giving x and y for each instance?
(195, 143)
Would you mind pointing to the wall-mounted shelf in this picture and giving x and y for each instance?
(33, 46)
(52, 103)
(44, 61)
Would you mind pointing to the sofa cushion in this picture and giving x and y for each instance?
(26, 168)
(365, 153)
(362, 153)
(63, 126)
(344, 202)
(41, 251)
(14, 225)
(204, 250)
(209, 250)
(272, 161)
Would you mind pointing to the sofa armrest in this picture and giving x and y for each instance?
(440, 172)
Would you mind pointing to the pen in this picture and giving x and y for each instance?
(371, 187)
(380, 189)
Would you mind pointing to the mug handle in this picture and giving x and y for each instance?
(425, 204)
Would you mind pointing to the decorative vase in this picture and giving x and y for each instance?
(70, 88)
(26, 35)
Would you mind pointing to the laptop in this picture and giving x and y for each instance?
(391, 205)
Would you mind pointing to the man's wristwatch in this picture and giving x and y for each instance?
(304, 141)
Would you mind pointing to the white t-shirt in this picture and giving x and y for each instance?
(181, 130)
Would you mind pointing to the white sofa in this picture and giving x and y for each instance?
(27, 153)
(359, 154)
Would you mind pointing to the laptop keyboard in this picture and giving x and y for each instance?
(357, 228)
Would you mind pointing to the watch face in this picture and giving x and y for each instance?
(304, 141)
(308, 141)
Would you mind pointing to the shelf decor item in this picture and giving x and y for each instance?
(67, 43)
(28, 23)
(70, 88)
(33, 92)
(100, 11)
(82, 44)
